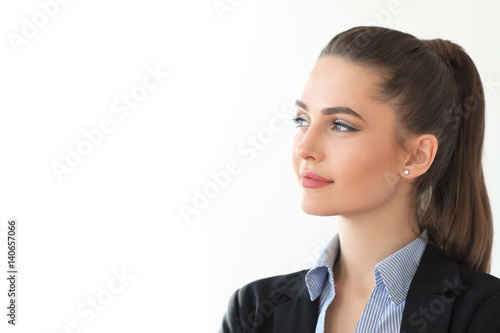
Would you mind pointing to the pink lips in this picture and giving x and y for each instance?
(312, 180)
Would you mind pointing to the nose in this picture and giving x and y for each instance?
(309, 144)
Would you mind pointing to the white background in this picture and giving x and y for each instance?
(118, 210)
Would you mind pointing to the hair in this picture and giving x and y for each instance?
(434, 88)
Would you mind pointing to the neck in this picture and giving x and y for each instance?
(369, 237)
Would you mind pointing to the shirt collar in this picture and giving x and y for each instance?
(395, 272)
(316, 276)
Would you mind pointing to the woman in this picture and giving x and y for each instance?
(389, 138)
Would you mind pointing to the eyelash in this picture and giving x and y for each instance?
(297, 120)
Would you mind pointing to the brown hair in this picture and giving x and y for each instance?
(435, 89)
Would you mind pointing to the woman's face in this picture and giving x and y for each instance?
(360, 155)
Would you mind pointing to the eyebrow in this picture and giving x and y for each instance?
(332, 110)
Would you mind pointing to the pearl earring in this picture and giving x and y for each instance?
(406, 171)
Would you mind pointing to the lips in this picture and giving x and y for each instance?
(310, 174)
(313, 180)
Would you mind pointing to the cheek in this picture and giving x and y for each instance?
(293, 155)
(365, 167)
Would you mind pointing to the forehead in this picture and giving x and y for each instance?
(334, 81)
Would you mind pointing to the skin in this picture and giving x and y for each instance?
(370, 193)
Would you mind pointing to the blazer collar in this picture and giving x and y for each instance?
(298, 314)
(432, 292)
(428, 306)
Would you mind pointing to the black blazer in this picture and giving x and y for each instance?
(443, 297)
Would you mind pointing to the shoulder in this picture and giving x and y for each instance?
(251, 306)
(479, 300)
(479, 280)
(479, 287)
(446, 288)
(437, 264)
(286, 285)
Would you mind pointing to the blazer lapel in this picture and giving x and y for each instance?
(298, 314)
(432, 292)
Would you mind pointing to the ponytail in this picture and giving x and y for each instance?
(435, 88)
(460, 199)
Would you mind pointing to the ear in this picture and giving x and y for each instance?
(420, 155)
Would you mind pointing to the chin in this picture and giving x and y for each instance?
(315, 209)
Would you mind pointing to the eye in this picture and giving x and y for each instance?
(336, 125)
(298, 121)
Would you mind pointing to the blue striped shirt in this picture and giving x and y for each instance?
(393, 275)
